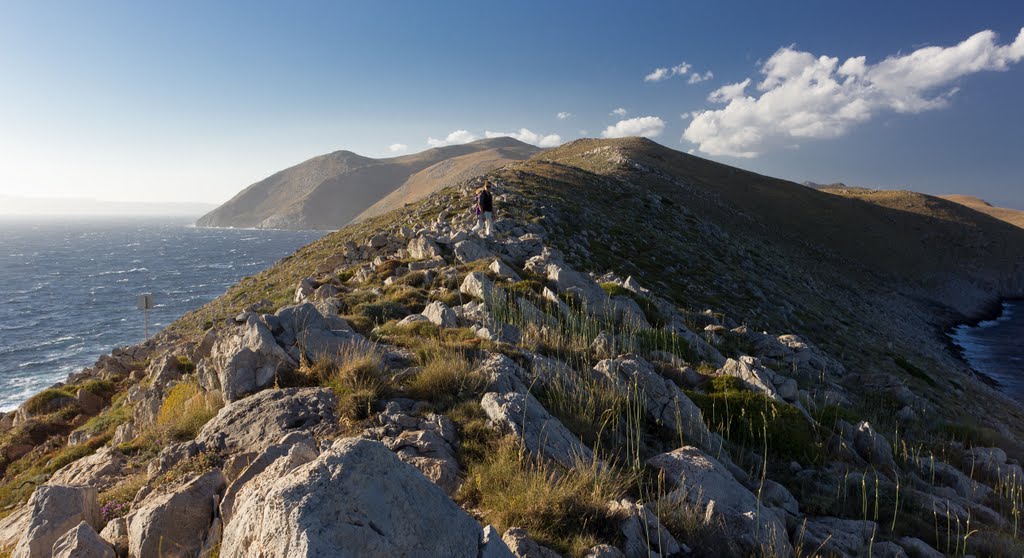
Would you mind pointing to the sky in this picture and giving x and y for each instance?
(192, 100)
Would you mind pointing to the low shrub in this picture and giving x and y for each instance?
(565, 510)
(356, 377)
(185, 410)
(758, 423)
(381, 312)
(446, 379)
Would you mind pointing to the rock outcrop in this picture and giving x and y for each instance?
(356, 499)
(174, 523)
(258, 421)
(55, 510)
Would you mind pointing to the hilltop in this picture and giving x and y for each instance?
(1012, 216)
(329, 191)
(654, 355)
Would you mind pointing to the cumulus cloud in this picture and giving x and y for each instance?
(664, 73)
(619, 112)
(698, 77)
(647, 126)
(526, 136)
(397, 147)
(455, 138)
(803, 96)
(563, 115)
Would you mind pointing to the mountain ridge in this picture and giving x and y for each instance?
(327, 191)
(646, 332)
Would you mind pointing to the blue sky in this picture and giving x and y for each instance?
(194, 100)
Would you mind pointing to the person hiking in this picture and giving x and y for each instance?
(485, 208)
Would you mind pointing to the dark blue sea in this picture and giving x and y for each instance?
(68, 287)
(996, 347)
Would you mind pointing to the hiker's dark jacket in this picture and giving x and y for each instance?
(486, 202)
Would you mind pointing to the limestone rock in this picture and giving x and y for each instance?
(427, 443)
(356, 499)
(663, 400)
(834, 536)
(440, 315)
(82, 542)
(116, 534)
(307, 332)
(471, 251)
(918, 548)
(542, 434)
(754, 376)
(123, 434)
(522, 546)
(172, 524)
(775, 495)
(421, 248)
(642, 533)
(604, 551)
(14, 525)
(99, 470)
(873, 447)
(295, 454)
(90, 403)
(501, 269)
(477, 285)
(246, 360)
(704, 483)
(492, 546)
(256, 422)
(570, 281)
(54, 511)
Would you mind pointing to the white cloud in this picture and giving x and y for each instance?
(686, 115)
(563, 115)
(397, 147)
(659, 74)
(697, 77)
(526, 136)
(647, 126)
(619, 112)
(455, 138)
(804, 96)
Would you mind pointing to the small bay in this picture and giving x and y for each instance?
(996, 347)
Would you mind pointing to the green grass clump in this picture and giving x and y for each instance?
(760, 424)
(107, 421)
(615, 289)
(185, 410)
(447, 378)
(356, 377)
(186, 365)
(41, 402)
(526, 287)
(381, 312)
(565, 510)
(723, 383)
(650, 340)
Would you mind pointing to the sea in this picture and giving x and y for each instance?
(996, 347)
(69, 287)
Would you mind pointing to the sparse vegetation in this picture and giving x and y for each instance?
(185, 410)
(565, 510)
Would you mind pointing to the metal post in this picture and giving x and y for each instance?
(145, 303)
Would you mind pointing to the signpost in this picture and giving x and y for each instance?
(145, 303)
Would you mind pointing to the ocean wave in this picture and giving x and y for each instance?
(120, 272)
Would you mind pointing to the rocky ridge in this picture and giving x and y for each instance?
(421, 379)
